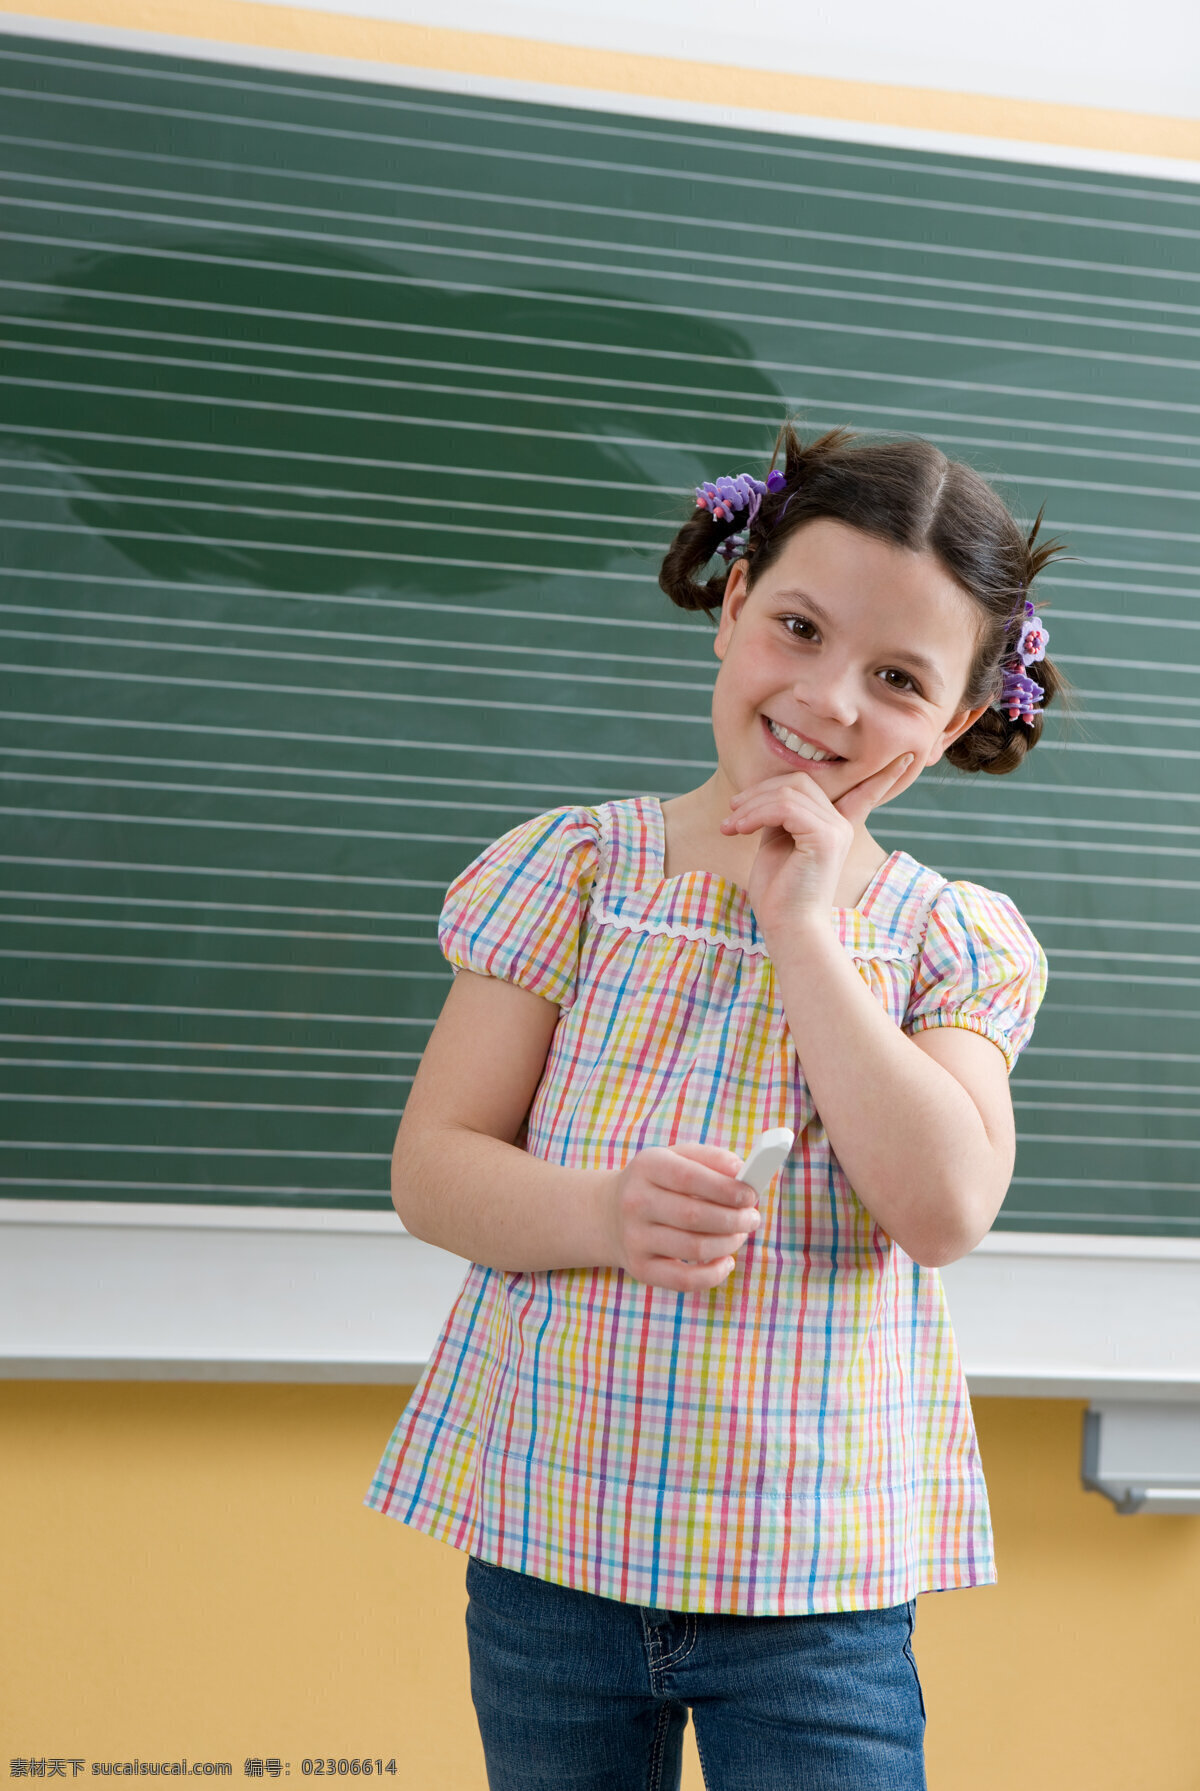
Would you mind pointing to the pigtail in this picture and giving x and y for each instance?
(694, 546)
(995, 743)
(705, 536)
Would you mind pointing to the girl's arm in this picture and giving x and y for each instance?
(923, 1126)
(459, 1179)
(670, 1217)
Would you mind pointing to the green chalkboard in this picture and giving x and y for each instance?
(341, 429)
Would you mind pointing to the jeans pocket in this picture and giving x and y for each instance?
(478, 1571)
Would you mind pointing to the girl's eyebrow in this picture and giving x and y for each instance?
(907, 656)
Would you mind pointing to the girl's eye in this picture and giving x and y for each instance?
(905, 683)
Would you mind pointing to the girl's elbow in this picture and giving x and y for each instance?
(954, 1236)
(942, 1254)
(934, 1253)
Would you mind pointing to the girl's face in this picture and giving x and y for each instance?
(851, 644)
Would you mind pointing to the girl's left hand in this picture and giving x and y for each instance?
(805, 839)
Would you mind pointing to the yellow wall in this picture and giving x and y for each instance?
(189, 1570)
(711, 83)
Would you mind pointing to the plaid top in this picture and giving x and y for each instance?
(797, 1439)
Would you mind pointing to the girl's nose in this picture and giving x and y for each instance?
(829, 695)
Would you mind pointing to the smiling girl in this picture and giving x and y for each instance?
(701, 1454)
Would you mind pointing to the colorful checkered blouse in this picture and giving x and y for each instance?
(797, 1439)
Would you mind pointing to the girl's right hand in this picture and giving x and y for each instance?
(678, 1215)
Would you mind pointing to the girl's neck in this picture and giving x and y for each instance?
(693, 842)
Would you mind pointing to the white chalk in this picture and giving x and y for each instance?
(769, 1153)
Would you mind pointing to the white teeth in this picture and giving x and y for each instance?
(797, 745)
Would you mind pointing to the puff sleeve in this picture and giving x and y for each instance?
(517, 910)
(979, 967)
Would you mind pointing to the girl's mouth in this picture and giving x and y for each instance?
(799, 753)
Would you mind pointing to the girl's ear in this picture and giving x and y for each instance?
(966, 718)
(736, 592)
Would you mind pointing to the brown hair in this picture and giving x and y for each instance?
(909, 493)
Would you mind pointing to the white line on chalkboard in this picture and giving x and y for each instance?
(215, 1069)
(760, 144)
(557, 297)
(802, 286)
(738, 178)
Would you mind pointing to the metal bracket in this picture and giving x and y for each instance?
(1145, 1457)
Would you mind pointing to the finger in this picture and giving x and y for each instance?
(728, 1164)
(796, 780)
(696, 1252)
(754, 820)
(680, 1174)
(856, 804)
(696, 1246)
(714, 1155)
(803, 810)
(801, 786)
(684, 1212)
(767, 783)
(679, 1276)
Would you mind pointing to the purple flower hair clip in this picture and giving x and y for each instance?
(724, 498)
(1019, 693)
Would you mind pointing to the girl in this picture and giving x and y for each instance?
(702, 1453)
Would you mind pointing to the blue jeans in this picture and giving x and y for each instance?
(575, 1692)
